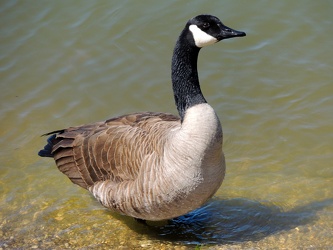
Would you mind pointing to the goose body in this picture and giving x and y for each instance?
(153, 166)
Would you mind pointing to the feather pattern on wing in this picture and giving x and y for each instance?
(111, 150)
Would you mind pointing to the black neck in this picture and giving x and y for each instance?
(185, 81)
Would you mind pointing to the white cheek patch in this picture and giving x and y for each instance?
(201, 38)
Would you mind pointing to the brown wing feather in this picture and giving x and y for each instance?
(110, 150)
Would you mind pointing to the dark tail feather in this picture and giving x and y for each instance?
(60, 131)
(47, 151)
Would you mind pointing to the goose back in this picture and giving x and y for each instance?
(111, 150)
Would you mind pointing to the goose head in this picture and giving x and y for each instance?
(207, 30)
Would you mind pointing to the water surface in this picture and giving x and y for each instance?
(65, 63)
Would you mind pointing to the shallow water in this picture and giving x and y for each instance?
(67, 63)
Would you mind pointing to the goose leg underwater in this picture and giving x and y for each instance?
(153, 166)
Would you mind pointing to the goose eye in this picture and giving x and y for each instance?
(205, 25)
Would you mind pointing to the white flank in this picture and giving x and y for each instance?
(201, 38)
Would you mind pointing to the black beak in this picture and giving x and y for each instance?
(227, 32)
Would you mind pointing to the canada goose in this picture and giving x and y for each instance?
(153, 166)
